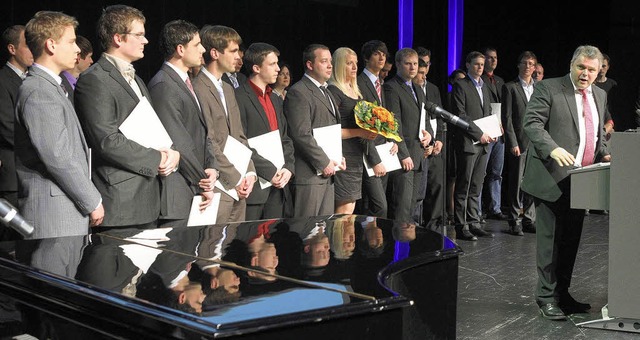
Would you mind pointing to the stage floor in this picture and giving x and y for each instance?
(497, 280)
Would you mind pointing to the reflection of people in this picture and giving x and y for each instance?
(404, 232)
(563, 121)
(372, 240)
(315, 246)
(223, 287)
(342, 236)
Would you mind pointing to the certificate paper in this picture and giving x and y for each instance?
(490, 125)
(329, 138)
(269, 146)
(239, 155)
(206, 217)
(390, 162)
(145, 128)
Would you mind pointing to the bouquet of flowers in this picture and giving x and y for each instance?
(375, 118)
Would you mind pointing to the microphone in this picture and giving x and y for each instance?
(10, 217)
(445, 115)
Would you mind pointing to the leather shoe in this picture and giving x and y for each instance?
(465, 235)
(516, 230)
(570, 305)
(551, 311)
(529, 228)
(497, 216)
(480, 232)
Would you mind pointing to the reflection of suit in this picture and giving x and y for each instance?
(551, 121)
(373, 188)
(123, 171)
(55, 193)
(471, 159)
(407, 111)
(9, 85)
(307, 108)
(267, 203)
(514, 105)
(181, 116)
(222, 126)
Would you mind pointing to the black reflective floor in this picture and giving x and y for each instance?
(497, 284)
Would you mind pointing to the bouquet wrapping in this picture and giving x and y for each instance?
(375, 118)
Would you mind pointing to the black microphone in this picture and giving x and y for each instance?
(445, 115)
(10, 217)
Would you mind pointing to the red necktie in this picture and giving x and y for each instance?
(193, 93)
(379, 91)
(589, 148)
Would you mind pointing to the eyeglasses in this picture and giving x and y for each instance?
(525, 64)
(139, 35)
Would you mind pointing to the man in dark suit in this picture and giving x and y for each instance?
(55, 193)
(492, 188)
(261, 114)
(222, 114)
(515, 96)
(18, 56)
(471, 101)
(374, 200)
(564, 122)
(124, 171)
(431, 208)
(407, 103)
(309, 105)
(178, 108)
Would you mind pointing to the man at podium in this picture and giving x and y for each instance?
(564, 121)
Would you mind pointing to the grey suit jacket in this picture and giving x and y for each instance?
(467, 105)
(124, 172)
(514, 104)
(9, 84)
(305, 108)
(551, 121)
(221, 126)
(255, 123)
(54, 192)
(181, 116)
(406, 109)
(369, 94)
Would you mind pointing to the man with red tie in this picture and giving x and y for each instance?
(563, 121)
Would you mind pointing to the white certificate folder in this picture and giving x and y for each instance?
(145, 128)
(269, 146)
(239, 155)
(390, 162)
(329, 138)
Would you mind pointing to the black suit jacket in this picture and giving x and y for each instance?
(467, 105)
(9, 84)
(432, 95)
(239, 75)
(495, 90)
(514, 105)
(255, 123)
(124, 171)
(369, 94)
(180, 114)
(407, 110)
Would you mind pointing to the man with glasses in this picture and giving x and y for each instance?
(125, 172)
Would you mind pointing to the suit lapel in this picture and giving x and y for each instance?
(372, 90)
(214, 93)
(117, 76)
(256, 104)
(183, 87)
(570, 97)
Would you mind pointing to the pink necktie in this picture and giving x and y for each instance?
(193, 93)
(589, 148)
(379, 91)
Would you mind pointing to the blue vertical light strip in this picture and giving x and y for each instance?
(456, 20)
(405, 23)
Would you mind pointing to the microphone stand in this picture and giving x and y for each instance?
(443, 154)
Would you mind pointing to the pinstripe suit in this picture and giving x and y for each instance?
(54, 190)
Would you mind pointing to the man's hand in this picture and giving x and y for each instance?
(426, 139)
(379, 170)
(515, 151)
(343, 164)
(606, 158)
(427, 151)
(562, 157)
(485, 139)
(437, 148)
(207, 184)
(96, 216)
(207, 199)
(246, 186)
(366, 134)
(330, 169)
(281, 178)
(394, 149)
(169, 162)
(407, 164)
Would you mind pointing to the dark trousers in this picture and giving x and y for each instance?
(272, 208)
(518, 199)
(470, 173)
(434, 200)
(374, 199)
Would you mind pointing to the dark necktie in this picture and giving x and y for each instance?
(589, 147)
(64, 89)
(326, 94)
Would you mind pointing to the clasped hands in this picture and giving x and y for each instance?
(169, 162)
(330, 169)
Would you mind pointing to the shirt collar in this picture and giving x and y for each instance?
(258, 91)
(523, 83)
(216, 82)
(371, 76)
(478, 83)
(56, 77)
(125, 68)
(18, 71)
(183, 75)
(315, 82)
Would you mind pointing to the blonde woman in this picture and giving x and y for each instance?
(344, 87)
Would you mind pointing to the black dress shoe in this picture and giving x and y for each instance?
(480, 232)
(465, 235)
(568, 304)
(516, 230)
(529, 228)
(551, 311)
(497, 216)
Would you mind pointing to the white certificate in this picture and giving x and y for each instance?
(423, 122)
(206, 217)
(329, 138)
(434, 126)
(239, 155)
(490, 125)
(145, 128)
(269, 146)
(390, 162)
(496, 109)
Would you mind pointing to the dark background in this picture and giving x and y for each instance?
(551, 29)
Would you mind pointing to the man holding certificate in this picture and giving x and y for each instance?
(220, 109)
(124, 171)
(261, 114)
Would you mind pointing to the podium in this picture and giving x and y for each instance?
(622, 313)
